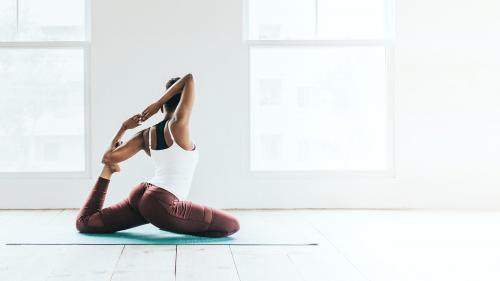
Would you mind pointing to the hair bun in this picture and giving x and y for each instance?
(171, 82)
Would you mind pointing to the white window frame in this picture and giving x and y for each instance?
(387, 43)
(85, 45)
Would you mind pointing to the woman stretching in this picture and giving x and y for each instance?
(162, 200)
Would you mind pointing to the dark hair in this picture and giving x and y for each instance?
(172, 103)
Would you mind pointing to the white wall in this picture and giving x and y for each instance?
(447, 101)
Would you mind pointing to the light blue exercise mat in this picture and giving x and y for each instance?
(253, 231)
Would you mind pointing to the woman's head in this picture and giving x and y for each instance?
(172, 103)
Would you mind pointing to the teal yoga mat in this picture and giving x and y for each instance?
(253, 231)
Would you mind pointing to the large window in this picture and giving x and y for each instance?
(319, 90)
(43, 83)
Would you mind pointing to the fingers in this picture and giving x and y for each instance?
(145, 116)
(133, 121)
(136, 118)
(148, 112)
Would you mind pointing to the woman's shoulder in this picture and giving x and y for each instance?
(181, 134)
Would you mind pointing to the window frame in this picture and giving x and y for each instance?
(83, 45)
(387, 42)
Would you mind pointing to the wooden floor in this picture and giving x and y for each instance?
(354, 245)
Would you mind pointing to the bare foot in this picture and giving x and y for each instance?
(108, 170)
(114, 168)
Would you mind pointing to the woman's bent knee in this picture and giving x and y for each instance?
(232, 226)
(82, 225)
(91, 224)
(225, 223)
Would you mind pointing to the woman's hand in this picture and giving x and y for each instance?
(150, 111)
(132, 122)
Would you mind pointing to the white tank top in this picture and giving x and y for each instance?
(174, 167)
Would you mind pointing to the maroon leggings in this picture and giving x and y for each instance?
(147, 203)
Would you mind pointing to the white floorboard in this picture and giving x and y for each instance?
(146, 262)
(92, 263)
(208, 263)
(264, 263)
(26, 263)
(323, 263)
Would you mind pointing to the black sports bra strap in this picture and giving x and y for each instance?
(160, 135)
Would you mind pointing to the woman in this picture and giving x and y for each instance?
(162, 200)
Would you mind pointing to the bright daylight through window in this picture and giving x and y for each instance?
(318, 84)
(43, 49)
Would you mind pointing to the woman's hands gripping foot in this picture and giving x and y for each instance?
(114, 167)
(109, 169)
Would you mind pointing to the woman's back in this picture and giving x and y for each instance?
(174, 166)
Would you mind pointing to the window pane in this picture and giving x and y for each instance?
(47, 20)
(281, 19)
(41, 110)
(318, 108)
(7, 19)
(351, 19)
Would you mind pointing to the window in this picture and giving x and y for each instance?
(319, 84)
(43, 54)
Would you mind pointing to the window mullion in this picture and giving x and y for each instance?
(316, 19)
(17, 17)
(44, 44)
(320, 43)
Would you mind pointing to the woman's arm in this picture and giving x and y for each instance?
(183, 111)
(118, 152)
(174, 89)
